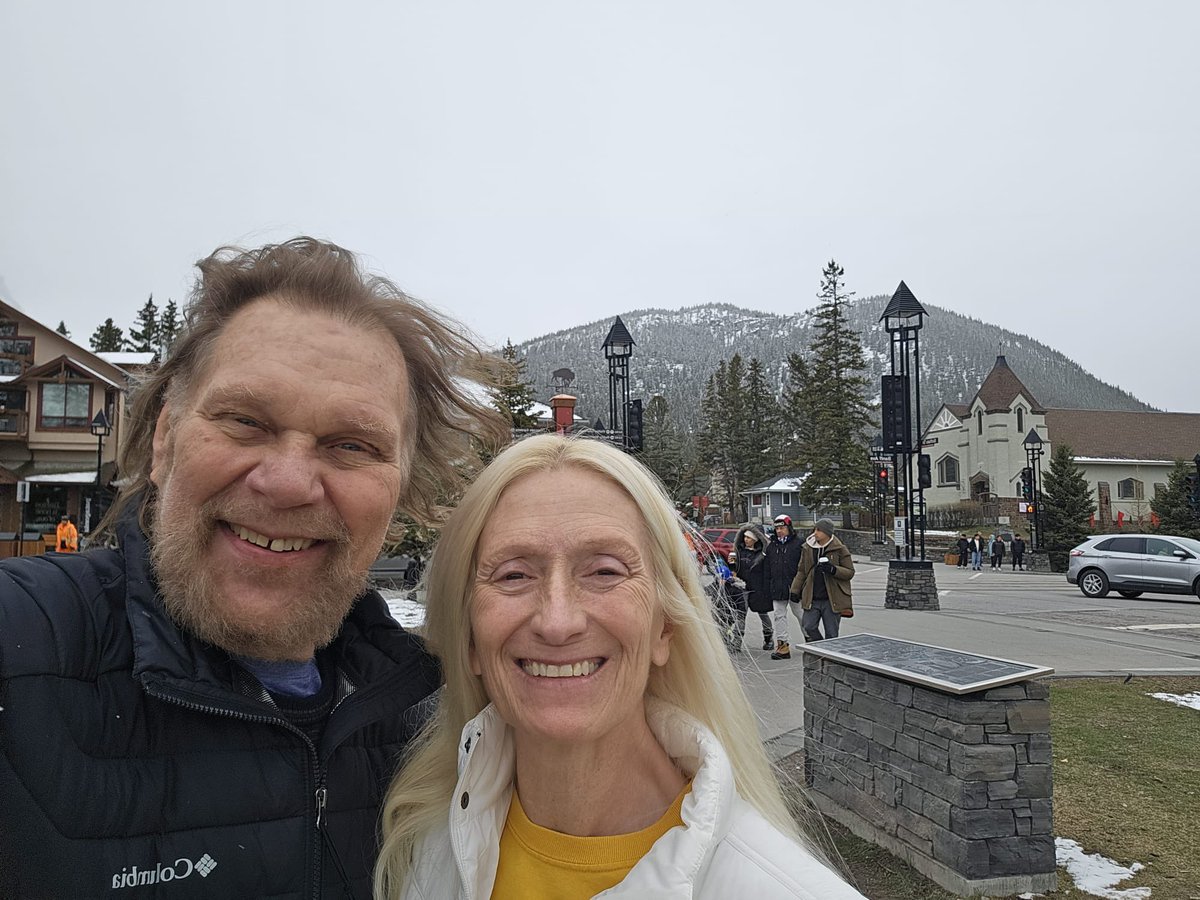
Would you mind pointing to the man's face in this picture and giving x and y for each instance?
(780, 530)
(821, 536)
(277, 480)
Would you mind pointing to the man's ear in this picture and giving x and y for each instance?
(160, 448)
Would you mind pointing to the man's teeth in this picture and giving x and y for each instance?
(279, 545)
(567, 670)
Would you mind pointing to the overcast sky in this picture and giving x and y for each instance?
(530, 166)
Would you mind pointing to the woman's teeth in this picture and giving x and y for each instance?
(567, 670)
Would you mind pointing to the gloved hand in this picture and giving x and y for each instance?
(795, 598)
(826, 568)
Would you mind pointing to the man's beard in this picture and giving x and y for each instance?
(179, 545)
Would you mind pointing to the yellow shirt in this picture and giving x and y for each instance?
(539, 864)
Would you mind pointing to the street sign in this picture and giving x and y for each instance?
(901, 527)
(22, 491)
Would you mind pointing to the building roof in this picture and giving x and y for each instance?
(1001, 388)
(1112, 434)
(127, 357)
(58, 362)
(784, 481)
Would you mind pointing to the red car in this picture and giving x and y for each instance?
(721, 540)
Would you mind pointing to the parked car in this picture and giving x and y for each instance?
(1133, 564)
(721, 539)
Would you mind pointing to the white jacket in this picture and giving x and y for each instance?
(728, 850)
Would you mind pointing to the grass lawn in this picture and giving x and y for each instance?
(1126, 785)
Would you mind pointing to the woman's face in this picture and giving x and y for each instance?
(565, 621)
(748, 539)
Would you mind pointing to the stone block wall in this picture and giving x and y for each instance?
(959, 786)
(911, 584)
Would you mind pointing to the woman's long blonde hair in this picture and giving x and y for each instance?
(698, 677)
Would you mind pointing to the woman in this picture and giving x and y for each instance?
(617, 749)
(749, 560)
(977, 548)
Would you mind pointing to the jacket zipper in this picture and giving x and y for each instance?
(321, 792)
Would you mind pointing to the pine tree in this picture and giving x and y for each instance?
(512, 395)
(763, 433)
(107, 338)
(169, 325)
(797, 418)
(662, 450)
(1066, 502)
(143, 337)
(840, 418)
(62, 329)
(1175, 514)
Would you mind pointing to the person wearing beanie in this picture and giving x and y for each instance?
(783, 557)
(822, 583)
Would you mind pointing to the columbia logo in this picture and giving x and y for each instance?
(135, 876)
(205, 864)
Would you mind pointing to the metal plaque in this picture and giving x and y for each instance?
(941, 668)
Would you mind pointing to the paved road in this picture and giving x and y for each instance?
(1032, 618)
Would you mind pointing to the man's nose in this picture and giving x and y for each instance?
(289, 473)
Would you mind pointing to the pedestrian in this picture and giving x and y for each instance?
(749, 561)
(220, 683)
(1018, 553)
(976, 550)
(729, 604)
(783, 558)
(964, 548)
(998, 552)
(66, 536)
(822, 582)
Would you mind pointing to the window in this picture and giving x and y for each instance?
(1159, 488)
(10, 423)
(1159, 547)
(10, 367)
(756, 499)
(785, 500)
(1020, 420)
(947, 470)
(979, 421)
(65, 406)
(1129, 489)
(13, 399)
(1123, 545)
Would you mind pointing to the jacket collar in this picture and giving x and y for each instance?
(486, 766)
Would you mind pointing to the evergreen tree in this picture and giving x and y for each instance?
(143, 337)
(1175, 514)
(712, 443)
(512, 395)
(1066, 502)
(763, 432)
(62, 329)
(662, 450)
(107, 338)
(797, 418)
(169, 326)
(836, 454)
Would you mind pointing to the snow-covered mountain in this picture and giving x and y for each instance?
(676, 351)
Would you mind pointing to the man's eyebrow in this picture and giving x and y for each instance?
(367, 427)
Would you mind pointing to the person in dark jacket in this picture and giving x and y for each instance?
(783, 558)
(964, 551)
(749, 562)
(1018, 553)
(213, 706)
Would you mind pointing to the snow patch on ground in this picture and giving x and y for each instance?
(1192, 700)
(405, 609)
(1095, 874)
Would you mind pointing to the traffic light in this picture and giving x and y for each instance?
(634, 425)
(924, 473)
(1027, 483)
(881, 479)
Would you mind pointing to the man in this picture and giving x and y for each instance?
(783, 557)
(822, 583)
(215, 706)
(964, 549)
(67, 536)
(1018, 553)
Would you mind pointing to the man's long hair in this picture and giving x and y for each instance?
(698, 676)
(445, 424)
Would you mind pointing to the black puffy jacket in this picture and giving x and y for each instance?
(138, 761)
(783, 558)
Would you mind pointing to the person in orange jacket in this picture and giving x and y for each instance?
(68, 536)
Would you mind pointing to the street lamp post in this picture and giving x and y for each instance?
(618, 347)
(101, 427)
(1033, 457)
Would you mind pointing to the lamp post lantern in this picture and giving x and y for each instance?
(101, 428)
(618, 347)
(1033, 457)
(903, 318)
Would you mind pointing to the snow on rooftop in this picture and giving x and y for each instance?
(127, 358)
(65, 478)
